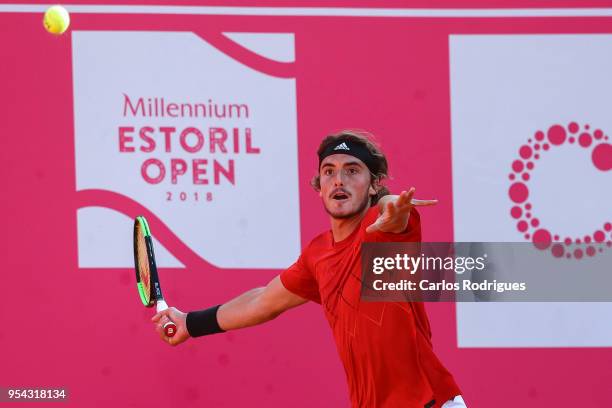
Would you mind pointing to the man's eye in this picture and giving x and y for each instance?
(352, 171)
(327, 172)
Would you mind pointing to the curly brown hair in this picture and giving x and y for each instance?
(367, 140)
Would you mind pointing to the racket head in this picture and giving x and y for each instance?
(144, 261)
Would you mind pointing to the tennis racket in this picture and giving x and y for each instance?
(147, 279)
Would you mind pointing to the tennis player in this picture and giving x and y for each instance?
(385, 347)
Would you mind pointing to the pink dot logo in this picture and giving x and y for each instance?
(527, 223)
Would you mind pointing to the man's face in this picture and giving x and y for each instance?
(345, 185)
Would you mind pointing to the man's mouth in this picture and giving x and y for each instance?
(340, 195)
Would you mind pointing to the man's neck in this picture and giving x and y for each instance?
(343, 227)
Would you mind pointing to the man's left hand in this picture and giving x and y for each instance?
(395, 212)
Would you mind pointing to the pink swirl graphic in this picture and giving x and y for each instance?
(131, 208)
(526, 221)
(247, 57)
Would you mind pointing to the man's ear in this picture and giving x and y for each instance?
(374, 186)
(315, 183)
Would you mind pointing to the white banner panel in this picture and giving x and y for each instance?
(204, 142)
(530, 148)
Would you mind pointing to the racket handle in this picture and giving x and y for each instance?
(169, 326)
(170, 329)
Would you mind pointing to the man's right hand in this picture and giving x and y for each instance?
(179, 318)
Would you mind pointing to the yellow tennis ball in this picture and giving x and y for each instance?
(56, 20)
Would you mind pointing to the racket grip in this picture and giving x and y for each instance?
(169, 327)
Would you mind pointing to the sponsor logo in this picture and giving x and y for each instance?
(342, 146)
(548, 237)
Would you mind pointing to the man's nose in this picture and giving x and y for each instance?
(339, 179)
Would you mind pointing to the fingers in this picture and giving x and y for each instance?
(403, 202)
(423, 203)
(162, 319)
(159, 328)
(159, 315)
(405, 199)
(375, 226)
(178, 318)
(390, 210)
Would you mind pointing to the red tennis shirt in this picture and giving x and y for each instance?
(385, 346)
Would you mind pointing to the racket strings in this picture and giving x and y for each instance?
(144, 270)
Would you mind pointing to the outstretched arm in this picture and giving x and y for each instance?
(253, 307)
(257, 306)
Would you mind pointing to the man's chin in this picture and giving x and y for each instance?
(342, 213)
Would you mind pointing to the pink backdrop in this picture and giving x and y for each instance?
(84, 328)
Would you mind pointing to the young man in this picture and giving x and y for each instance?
(385, 346)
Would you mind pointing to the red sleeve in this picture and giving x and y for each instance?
(299, 280)
(412, 233)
